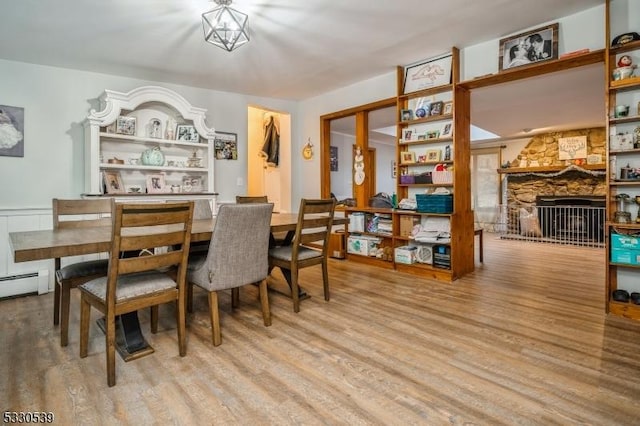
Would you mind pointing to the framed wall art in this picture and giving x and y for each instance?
(427, 74)
(333, 158)
(529, 47)
(11, 131)
(226, 146)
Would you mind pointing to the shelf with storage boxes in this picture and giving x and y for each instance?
(433, 137)
(623, 183)
(370, 235)
(148, 142)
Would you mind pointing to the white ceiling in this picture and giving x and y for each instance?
(298, 48)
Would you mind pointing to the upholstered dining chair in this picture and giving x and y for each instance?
(238, 255)
(137, 282)
(315, 218)
(76, 214)
(276, 239)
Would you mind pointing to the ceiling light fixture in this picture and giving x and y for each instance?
(225, 27)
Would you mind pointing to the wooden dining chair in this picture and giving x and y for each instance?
(238, 255)
(69, 214)
(137, 282)
(315, 218)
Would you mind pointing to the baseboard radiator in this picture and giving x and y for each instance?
(24, 283)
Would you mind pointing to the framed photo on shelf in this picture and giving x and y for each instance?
(126, 125)
(407, 134)
(447, 130)
(156, 184)
(406, 115)
(154, 128)
(447, 108)
(427, 74)
(187, 133)
(433, 134)
(433, 155)
(436, 108)
(192, 184)
(407, 157)
(540, 44)
(113, 182)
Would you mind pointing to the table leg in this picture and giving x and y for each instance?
(130, 342)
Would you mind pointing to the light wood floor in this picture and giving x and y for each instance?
(522, 340)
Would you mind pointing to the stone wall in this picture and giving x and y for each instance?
(522, 189)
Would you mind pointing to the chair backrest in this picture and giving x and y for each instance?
(81, 213)
(239, 248)
(241, 199)
(315, 219)
(202, 209)
(147, 226)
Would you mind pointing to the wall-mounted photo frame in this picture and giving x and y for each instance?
(394, 169)
(113, 182)
(333, 158)
(530, 47)
(427, 74)
(225, 146)
(187, 133)
(406, 115)
(407, 157)
(156, 184)
(447, 130)
(447, 108)
(433, 155)
(126, 125)
(11, 131)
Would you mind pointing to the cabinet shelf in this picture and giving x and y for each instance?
(424, 141)
(139, 139)
(427, 92)
(105, 166)
(630, 83)
(627, 310)
(427, 163)
(429, 119)
(627, 47)
(428, 185)
(621, 120)
(625, 151)
(635, 182)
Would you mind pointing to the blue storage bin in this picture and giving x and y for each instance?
(434, 203)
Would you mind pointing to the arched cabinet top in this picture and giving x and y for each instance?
(114, 102)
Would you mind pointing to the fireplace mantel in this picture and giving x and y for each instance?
(553, 169)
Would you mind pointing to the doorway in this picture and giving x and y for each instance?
(263, 177)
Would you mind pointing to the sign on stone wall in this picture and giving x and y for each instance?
(572, 148)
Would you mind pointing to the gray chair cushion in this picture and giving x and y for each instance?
(132, 285)
(284, 253)
(83, 269)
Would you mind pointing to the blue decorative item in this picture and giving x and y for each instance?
(152, 157)
(420, 112)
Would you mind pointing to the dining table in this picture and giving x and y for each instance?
(50, 244)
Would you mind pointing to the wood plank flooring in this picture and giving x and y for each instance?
(522, 340)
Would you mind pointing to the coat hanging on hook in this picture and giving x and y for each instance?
(271, 146)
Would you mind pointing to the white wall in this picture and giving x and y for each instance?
(583, 30)
(57, 100)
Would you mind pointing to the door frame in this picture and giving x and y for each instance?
(362, 192)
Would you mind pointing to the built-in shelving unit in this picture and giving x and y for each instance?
(622, 233)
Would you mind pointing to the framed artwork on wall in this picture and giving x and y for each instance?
(11, 131)
(427, 74)
(540, 44)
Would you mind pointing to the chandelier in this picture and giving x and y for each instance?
(225, 27)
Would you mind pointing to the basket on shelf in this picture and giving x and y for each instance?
(434, 203)
(442, 176)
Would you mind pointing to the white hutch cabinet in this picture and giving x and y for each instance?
(114, 146)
